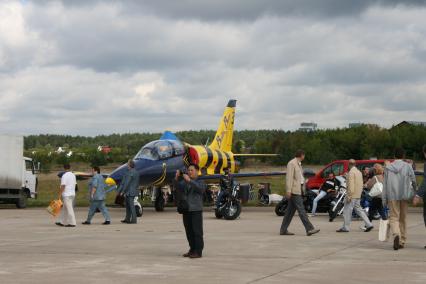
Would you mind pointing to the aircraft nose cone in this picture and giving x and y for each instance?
(110, 181)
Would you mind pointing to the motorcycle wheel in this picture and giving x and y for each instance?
(281, 207)
(139, 210)
(333, 214)
(218, 214)
(232, 212)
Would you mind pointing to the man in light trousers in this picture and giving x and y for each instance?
(67, 192)
(398, 189)
(353, 198)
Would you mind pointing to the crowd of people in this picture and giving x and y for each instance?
(387, 188)
(390, 188)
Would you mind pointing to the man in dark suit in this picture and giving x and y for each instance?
(129, 188)
(191, 189)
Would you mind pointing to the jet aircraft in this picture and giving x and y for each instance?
(158, 161)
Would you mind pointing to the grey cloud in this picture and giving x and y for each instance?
(96, 68)
(237, 10)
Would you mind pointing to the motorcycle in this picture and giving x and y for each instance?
(229, 206)
(336, 206)
(324, 205)
(308, 199)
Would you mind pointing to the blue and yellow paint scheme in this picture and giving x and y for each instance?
(158, 161)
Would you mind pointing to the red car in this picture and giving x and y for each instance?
(339, 168)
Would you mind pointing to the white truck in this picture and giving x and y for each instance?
(18, 174)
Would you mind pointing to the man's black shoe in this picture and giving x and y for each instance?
(312, 232)
(70, 226)
(86, 223)
(106, 223)
(396, 243)
(194, 255)
(124, 221)
(59, 224)
(286, 233)
(187, 254)
(369, 229)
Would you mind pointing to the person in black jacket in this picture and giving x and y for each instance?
(192, 190)
(330, 185)
(226, 183)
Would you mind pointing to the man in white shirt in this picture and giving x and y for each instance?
(67, 192)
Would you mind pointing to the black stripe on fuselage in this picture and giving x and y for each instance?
(209, 157)
(228, 158)
(219, 162)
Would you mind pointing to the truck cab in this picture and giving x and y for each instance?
(18, 174)
(30, 180)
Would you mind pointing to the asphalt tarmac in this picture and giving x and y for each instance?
(247, 250)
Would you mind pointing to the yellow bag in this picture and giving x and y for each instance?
(54, 207)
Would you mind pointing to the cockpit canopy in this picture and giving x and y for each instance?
(160, 150)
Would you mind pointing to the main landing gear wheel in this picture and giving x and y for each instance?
(160, 202)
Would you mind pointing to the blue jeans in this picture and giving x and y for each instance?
(220, 197)
(130, 210)
(320, 196)
(98, 204)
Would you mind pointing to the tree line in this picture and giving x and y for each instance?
(321, 146)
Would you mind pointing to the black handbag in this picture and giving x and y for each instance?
(182, 206)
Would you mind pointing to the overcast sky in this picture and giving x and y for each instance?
(99, 67)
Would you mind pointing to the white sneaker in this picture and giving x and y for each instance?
(363, 228)
(312, 215)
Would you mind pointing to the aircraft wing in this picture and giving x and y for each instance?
(306, 172)
(81, 175)
(242, 175)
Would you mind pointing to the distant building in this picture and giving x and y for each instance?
(355, 124)
(61, 150)
(104, 149)
(416, 123)
(368, 125)
(308, 126)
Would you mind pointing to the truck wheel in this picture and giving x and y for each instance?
(22, 201)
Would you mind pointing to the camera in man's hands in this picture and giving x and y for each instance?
(183, 171)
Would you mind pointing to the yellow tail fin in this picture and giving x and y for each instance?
(223, 139)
